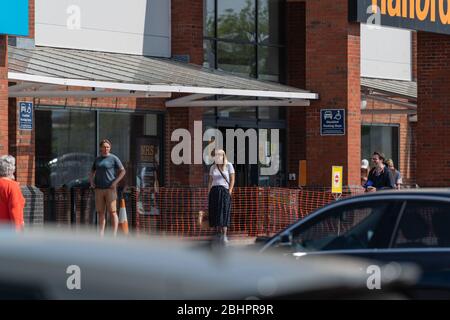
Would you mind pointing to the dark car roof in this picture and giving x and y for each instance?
(406, 194)
(440, 192)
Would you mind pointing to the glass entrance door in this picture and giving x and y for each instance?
(246, 173)
(245, 118)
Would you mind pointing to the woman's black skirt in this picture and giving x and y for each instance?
(219, 207)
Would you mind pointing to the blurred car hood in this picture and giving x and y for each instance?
(161, 268)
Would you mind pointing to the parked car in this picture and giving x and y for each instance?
(401, 226)
(71, 169)
(61, 264)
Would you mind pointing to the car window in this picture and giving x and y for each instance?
(356, 226)
(424, 224)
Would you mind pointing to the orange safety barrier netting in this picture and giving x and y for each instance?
(256, 211)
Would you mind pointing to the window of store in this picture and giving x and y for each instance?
(380, 137)
(245, 37)
(67, 143)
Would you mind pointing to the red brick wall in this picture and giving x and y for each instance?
(196, 171)
(31, 18)
(175, 175)
(187, 29)
(414, 55)
(406, 136)
(433, 110)
(333, 71)
(412, 137)
(184, 174)
(187, 39)
(21, 146)
(295, 24)
(3, 95)
(296, 117)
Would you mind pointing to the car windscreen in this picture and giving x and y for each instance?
(362, 226)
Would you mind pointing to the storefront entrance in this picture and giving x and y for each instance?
(249, 174)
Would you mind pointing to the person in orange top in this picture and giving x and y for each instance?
(12, 201)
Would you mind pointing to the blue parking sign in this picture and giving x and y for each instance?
(26, 116)
(332, 122)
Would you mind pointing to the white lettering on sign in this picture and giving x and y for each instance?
(74, 19)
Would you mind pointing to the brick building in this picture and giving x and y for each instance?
(270, 64)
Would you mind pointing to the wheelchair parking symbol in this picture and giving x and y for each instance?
(26, 116)
(338, 116)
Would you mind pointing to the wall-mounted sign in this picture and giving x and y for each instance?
(422, 15)
(332, 122)
(140, 27)
(26, 116)
(14, 17)
(336, 183)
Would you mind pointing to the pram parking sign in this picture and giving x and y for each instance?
(26, 116)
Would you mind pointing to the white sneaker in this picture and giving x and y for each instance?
(225, 240)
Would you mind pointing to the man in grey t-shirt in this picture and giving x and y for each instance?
(106, 173)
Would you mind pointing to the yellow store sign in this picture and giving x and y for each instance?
(421, 15)
(336, 183)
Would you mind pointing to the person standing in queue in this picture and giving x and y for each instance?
(397, 175)
(380, 177)
(12, 201)
(220, 187)
(364, 171)
(106, 173)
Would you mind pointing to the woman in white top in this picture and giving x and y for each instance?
(220, 187)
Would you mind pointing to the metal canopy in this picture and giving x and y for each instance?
(396, 88)
(49, 72)
(395, 92)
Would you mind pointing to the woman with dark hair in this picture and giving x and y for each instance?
(12, 201)
(380, 177)
(106, 173)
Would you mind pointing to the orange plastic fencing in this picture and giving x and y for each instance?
(256, 211)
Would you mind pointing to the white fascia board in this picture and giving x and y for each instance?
(241, 103)
(76, 82)
(237, 92)
(161, 88)
(88, 94)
